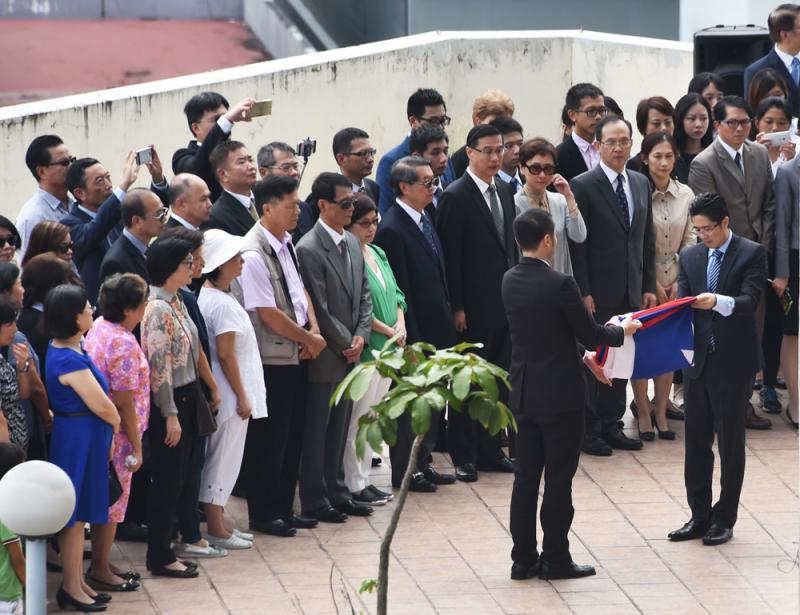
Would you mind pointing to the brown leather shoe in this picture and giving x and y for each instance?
(753, 421)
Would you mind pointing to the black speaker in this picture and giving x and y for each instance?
(728, 50)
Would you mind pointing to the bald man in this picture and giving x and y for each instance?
(190, 201)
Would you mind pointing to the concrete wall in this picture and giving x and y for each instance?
(121, 9)
(365, 86)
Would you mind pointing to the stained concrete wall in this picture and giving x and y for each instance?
(365, 86)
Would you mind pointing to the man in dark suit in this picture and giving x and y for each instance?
(548, 396)
(431, 142)
(355, 157)
(474, 221)
(143, 215)
(727, 274)
(511, 130)
(784, 30)
(234, 211)
(335, 277)
(407, 236)
(190, 202)
(615, 266)
(585, 107)
(211, 123)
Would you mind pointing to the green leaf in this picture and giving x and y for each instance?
(341, 391)
(361, 382)
(486, 380)
(398, 404)
(368, 586)
(375, 436)
(361, 438)
(435, 398)
(395, 362)
(461, 383)
(389, 427)
(420, 416)
(481, 408)
(453, 401)
(460, 348)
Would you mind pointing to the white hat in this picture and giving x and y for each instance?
(219, 247)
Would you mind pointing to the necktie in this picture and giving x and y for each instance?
(796, 71)
(514, 183)
(497, 213)
(738, 160)
(427, 231)
(252, 210)
(346, 262)
(623, 200)
(713, 278)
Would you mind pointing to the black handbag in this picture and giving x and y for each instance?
(114, 486)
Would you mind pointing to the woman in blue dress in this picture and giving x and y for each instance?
(85, 418)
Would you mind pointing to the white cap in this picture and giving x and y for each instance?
(219, 247)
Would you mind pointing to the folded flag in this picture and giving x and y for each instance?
(664, 343)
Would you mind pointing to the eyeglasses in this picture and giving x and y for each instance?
(428, 183)
(734, 124)
(537, 169)
(162, 213)
(367, 153)
(367, 223)
(443, 120)
(490, 151)
(65, 247)
(346, 203)
(594, 112)
(705, 230)
(64, 162)
(287, 166)
(188, 261)
(623, 143)
(8, 240)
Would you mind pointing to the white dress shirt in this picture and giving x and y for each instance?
(412, 213)
(335, 235)
(246, 201)
(732, 153)
(183, 221)
(484, 188)
(590, 155)
(725, 304)
(613, 177)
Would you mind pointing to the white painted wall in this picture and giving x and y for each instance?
(695, 15)
(365, 86)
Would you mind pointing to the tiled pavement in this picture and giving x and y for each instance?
(451, 552)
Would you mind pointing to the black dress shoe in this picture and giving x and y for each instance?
(467, 473)
(273, 527)
(354, 509)
(717, 535)
(420, 484)
(131, 532)
(327, 514)
(594, 445)
(367, 496)
(434, 477)
(376, 461)
(675, 414)
(690, 530)
(616, 439)
(520, 572)
(666, 434)
(647, 436)
(300, 522)
(186, 573)
(65, 600)
(384, 494)
(570, 570)
(503, 464)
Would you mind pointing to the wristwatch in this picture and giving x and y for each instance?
(26, 367)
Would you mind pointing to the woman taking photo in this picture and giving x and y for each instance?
(673, 232)
(85, 419)
(49, 237)
(236, 363)
(693, 131)
(773, 114)
(114, 350)
(537, 163)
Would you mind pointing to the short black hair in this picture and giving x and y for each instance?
(133, 205)
(62, 305)
(76, 173)
(195, 238)
(580, 91)
(423, 97)
(701, 81)
(686, 102)
(506, 125)
(405, 170)
(42, 273)
(9, 273)
(658, 103)
(266, 154)
(37, 154)
(202, 102)
(343, 139)
(610, 119)
(737, 102)
(9, 310)
(219, 155)
(164, 256)
(711, 205)
(11, 455)
(363, 206)
(120, 292)
(774, 102)
(480, 131)
(613, 106)
(531, 226)
(9, 225)
(425, 134)
(324, 187)
(273, 187)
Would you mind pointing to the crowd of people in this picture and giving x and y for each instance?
(193, 332)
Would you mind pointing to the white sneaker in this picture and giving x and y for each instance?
(243, 535)
(189, 550)
(234, 543)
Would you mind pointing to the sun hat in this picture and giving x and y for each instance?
(219, 247)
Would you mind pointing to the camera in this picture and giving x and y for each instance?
(306, 147)
(144, 155)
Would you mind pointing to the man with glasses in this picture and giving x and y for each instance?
(615, 265)
(356, 157)
(511, 131)
(430, 142)
(585, 107)
(425, 106)
(474, 221)
(234, 211)
(740, 172)
(47, 159)
(333, 271)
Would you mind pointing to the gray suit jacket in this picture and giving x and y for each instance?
(750, 200)
(787, 228)
(341, 314)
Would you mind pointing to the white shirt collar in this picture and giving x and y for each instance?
(611, 174)
(335, 235)
(413, 213)
(731, 152)
(507, 178)
(277, 244)
(582, 143)
(785, 58)
(724, 247)
(244, 200)
(88, 212)
(184, 222)
(482, 185)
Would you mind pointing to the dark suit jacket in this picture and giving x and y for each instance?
(742, 276)
(771, 60)
(372, 190)
(309, 214)
(420, 274)
(230, 215)
(570, 160)
(475, 257)
(123, 257)
(545, 316)
(459, 161)
(614, 265)
(384, 171)
(194, 159)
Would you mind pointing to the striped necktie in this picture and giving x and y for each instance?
(714, 267)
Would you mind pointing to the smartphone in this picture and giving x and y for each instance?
(787, 301)
(262, 107)
(144, 155)
(776, 139)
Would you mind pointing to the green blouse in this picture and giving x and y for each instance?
(385, 300)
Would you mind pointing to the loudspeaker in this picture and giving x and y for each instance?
(728, 50)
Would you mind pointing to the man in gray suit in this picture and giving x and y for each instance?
(335, 277)
(615, 266)
(740, 172)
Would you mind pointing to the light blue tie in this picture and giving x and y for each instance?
(713, 278)
(796, 71)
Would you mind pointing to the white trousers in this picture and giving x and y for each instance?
(223, 460)
(356, 471)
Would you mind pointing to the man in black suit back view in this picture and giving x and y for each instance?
(235, 210)
(356, 157)
(211, 122)
(474, 222)
(727, 273)
(548, 396)
(585, 108)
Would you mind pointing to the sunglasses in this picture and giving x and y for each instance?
(9, 240)
(345, 203)
(536, 169)
(64, 248)
(64, 162)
